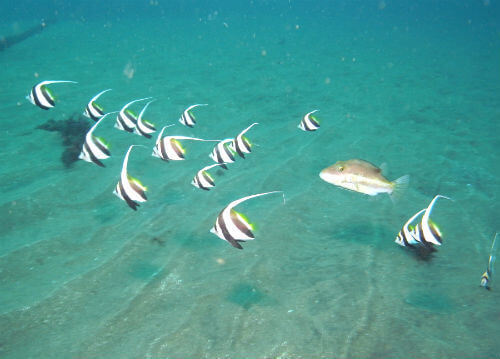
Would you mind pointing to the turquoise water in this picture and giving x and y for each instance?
(414, 87)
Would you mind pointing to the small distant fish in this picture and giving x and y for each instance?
(95, 148)
(425, 234)
(130, 189)
(203, 179)
(241, 144)
(41, 96)
(309, 122)
(144, 128)
(363, 177)
(126, 119)
(187, 117)
(222, 153)
(93, 110)
(486, 277)
(233, 226)
(169, 148)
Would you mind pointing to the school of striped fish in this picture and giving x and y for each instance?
(420, 233)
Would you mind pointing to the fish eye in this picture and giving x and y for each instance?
(340, 168)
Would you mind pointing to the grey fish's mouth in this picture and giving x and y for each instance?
(324, 176)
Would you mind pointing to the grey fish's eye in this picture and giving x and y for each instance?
(340, 168)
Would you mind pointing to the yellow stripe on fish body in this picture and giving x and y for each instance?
(131, 114)
(97, 106)
(244, 219)
(102, 141)
(49, 92)
(137, 182)
(177, 144)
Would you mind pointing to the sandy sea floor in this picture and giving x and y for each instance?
(83, 276)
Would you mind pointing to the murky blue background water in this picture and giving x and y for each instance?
(414, 86)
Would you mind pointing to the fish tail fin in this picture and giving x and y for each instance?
(399, 186)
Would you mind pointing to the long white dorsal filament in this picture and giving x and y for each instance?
(238, 201)
(125, 162)
(89, 133)
(428, 236)
(56, 82)
(98, 95)
(161, 133)
(190, 138)
(248, 128)
(193, 106)
(134, 101)
(206, 168)
(144, 109)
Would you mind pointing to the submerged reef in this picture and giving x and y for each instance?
(72, 131)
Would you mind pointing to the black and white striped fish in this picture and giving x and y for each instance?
(241, 144)
(41, 96)
(187, 117)
(95, 148)
(203, 179)
(407, 236)
(93, 110)
(426, 233)
(126, 120)
(309, 122)
(234, 227)
(486, 277)
(128, 188)
(222, 153)
(158, 145)
(169, 148)
(144, 128)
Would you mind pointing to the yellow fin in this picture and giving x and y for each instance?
(137, 182)
(244, 219)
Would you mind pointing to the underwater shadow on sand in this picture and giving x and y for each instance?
(72, 131)
(247, 295)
